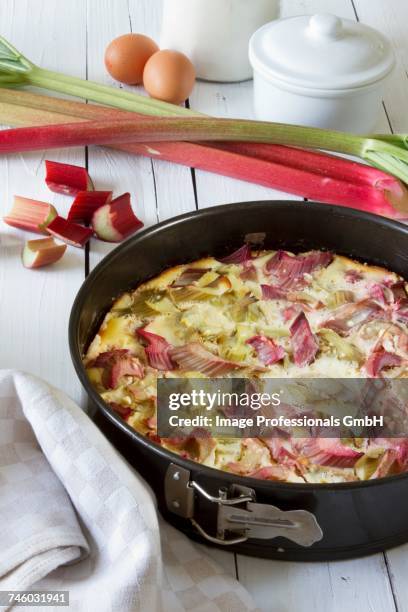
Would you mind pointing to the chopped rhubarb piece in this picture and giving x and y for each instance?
(396, 334)
(43, 252)
(195, 358)
(86, 203)
(384, 465)
(30, 215)
(189, 276)
(381, 294)
(353, 276)
(237, 257)
(401, 313)
(117, 363)
(104, 359)
(115, 221)
(254, 454)
(399, 446)
(329, 451)
(282, 450)
(69, 232)
(290, 312)
(268, 352)
(304, 343)
(379, 360)
(125, 366)
(289, 270)
(197, 446)
(249, 271)
(157, 351)
(393, 299)
(280, 473)
(269, 292)
(123, 411)
(66, 178)
(350, 315)
(398, 291)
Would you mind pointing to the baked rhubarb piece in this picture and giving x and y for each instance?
(66, 178)
(71, 233)
(116, 220)
(42, 252)
(116, 364)
(259, 315)
(30, 215)
(157, 351)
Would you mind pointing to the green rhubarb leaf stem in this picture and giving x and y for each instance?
(398, 140)
(104, 94)
(16, 69)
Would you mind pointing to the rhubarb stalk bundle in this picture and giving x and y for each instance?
(308, 174)
(165, 129)
(16, 69)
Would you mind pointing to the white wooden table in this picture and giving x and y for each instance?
(70, 36)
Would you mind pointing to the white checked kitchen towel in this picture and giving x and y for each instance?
(75, 516)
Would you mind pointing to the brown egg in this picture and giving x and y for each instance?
(126, 56)
(169, 76)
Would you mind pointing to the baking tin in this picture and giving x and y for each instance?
(355, 518)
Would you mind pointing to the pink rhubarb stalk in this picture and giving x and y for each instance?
(115, 221)
(30, 215)
(312, 175)
(86, 203)
(66, 178)
(43, 252)
(69, 232)
(370, 189)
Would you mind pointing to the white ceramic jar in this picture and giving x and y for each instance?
(214, 34)
(320, 71)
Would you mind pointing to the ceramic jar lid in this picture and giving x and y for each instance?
(321, 52)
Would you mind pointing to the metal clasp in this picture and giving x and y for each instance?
(238, 513)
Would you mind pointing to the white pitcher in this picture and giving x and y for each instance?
(214, 34)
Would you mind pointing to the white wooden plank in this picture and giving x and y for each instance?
(35, 305)
(354, 586)
(109, 169)
(397, 560)
(391, 18)
(173, 183)
(159, 190)
(227, 100)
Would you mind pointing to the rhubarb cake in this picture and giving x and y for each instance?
(258, 314)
